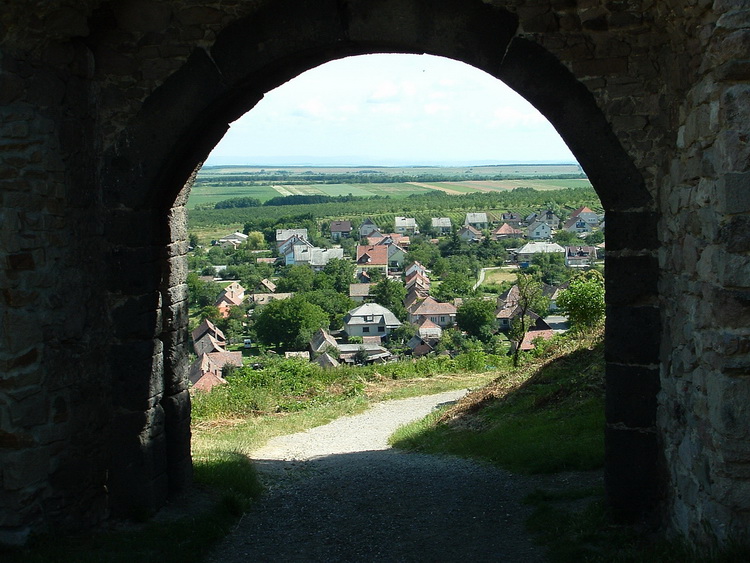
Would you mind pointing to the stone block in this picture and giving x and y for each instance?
(631, 396)
(135, 228)
(631, 231)
(631, 280)
(137, 317)
(134, 271)
(137, 370)
(633, 335)
(632, 478)
(733, 193)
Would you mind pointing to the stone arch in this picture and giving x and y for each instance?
(143, 179)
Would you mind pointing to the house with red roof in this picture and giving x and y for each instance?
(442, 314)
(506, 231)
(372, 257)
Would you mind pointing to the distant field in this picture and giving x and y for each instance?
(210, 188)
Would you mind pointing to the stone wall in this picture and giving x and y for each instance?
(107, 108)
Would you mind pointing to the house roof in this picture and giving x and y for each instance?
(538, 224)
(285, 234)
(429, 306)
(580, 210)
(234, 237)
(372, 255)
(417, 277)
(206, 344)
(373, 311)
(475, 218)
(425, 322)
(265, 298)
(506, 229)
(268, 284)
(208, 381)
(540, 247)
(441, 222)
(208, 327)
(470, 229)
(233, 294)
(325, 360)
(322, 340)
(528, 338)
(316, 256)
(341, 226)
(410, 222)
(581, 251)
(213, 362)
(359, 289)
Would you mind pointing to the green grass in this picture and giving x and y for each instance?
(553, 421)
(233, 484)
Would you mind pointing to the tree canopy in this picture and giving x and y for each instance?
(477, 318)
(583, 301)
(289, 323)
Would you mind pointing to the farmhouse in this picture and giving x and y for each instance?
(405, 225)
(477, 220)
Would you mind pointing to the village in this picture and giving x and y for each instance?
(378, 297)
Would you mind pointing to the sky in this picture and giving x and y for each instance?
(391, 110)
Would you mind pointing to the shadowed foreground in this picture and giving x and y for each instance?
(380, 504)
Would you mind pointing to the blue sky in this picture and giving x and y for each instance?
(391, 110)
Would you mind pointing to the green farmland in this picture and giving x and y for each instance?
(218, 183)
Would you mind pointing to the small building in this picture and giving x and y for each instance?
(232, 295)
(316, 258)
(360, 292)
(370, 319)
(404, 225)
(232, 241)
(470, 234)
(442, 314)
(477, 220)
(260, 299)
(372, 257)
(286, 234)
(506, 231)
(340, 229)
(577, 225)
(548, 216)
(322, 341)
(539, 230)
(441, 225)
(367, 227)
(525, 254)
(579, 256)
(587, 215)
(513, 219)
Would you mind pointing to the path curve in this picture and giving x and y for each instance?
(338, 493)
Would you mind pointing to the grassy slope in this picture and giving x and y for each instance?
(545, 417)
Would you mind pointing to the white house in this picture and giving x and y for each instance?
(285, 234)
(441, 225)
(405, 225)
(232, 241)
(370, 319)
(476, 220)
(539, 230)
(526, 253)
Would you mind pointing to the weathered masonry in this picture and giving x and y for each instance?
(107, 108)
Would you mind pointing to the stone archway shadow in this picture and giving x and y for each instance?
(144, 183)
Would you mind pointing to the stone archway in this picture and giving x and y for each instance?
(106, 108)
(215, 87)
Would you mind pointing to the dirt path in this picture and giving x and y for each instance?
(338, 493)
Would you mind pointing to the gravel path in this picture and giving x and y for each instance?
(339, 493)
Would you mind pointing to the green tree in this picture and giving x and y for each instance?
(549, 267)
(335, 304)
(530, 298)
(296, 278)
(255, 240)
(453, 285)
(477, 318)
(289, 323)
(566, 238)
(390, 294)
(341, 273)
(201, 293)
(583, 301)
